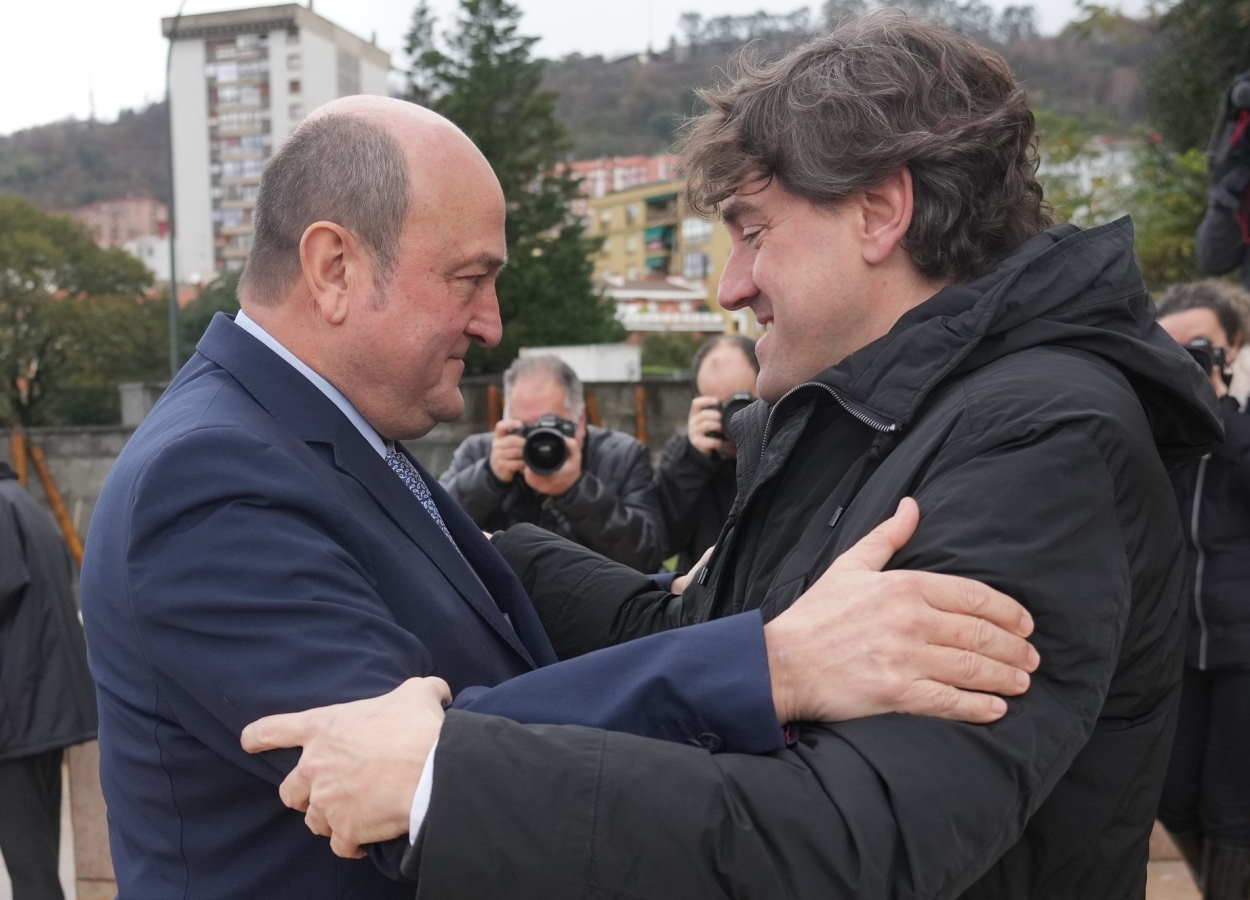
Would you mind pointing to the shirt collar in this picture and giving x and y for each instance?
(332, 393)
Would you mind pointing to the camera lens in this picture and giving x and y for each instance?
(545, 451)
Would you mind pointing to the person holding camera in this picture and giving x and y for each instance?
(544, 465)
(1206, 797)
(1223, 240)
(697, 476)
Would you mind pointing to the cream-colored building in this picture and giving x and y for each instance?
(650, 233)
(239, 82)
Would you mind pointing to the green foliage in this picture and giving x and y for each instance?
(1167, 199)
(73, 319)
(483, 78)
(219, 295)
(668, 352)
(1204, 44)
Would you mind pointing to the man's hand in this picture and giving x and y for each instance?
(704, 419)
(1216, 378)
(681, 582)
(861, 642)
(361, 762)
(559, 481)
(506, 449)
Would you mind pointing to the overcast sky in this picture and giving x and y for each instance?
(58, 56)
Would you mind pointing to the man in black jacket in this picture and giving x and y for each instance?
(1206, 796)
(600, 497)
(47, 700)
(1222, 243)
(932, 335)
(696, 479)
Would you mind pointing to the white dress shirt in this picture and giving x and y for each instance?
(421, 799)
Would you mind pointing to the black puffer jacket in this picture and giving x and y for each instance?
(1027, 412)
(47, 698)
(695, 493)
(1218, 528)
(612, 508)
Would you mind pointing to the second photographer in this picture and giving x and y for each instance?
(1206, 798)
(544, 465)
(697, 476)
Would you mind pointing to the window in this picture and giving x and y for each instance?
(293, 62)
(695, 230)
(696, 265)
(294, 86)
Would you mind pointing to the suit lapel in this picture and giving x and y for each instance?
(359, 460)
(293, 399)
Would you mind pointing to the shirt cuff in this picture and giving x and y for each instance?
(421, 799)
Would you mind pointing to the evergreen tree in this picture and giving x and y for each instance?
(483, 77)
(1205, 43)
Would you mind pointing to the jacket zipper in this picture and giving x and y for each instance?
(860, 415)
(1202, 561)
(855, 412)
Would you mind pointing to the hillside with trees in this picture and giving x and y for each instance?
(68, 164)
(1095, 71)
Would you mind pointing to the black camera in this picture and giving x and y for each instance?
(545, 451)
(1209, 357)
(729, 409)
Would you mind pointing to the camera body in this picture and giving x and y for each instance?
(1209, 357)
(729, 409)
(1239, 92)
(545, 451)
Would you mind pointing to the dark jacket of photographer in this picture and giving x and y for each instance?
(1215, 507)
(1219, 244)
(695, 493)
(1027, 412)
(612, 508)
(47, 698)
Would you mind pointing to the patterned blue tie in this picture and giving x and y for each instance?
(412, 480)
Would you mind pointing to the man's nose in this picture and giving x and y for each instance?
(737, 286)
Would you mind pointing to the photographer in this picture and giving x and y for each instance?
(696, 479)
(589, 484)
(1223, 239)
(1206, 798)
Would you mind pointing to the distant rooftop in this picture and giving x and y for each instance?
(258, 19)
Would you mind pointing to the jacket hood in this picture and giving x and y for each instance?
(1064, 287)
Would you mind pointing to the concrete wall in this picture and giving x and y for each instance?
(80, 458)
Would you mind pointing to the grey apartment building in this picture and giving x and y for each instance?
(239, 82)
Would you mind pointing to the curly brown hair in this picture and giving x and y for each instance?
(843, 112)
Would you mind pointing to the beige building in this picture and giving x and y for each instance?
(650, 234)
(239, 82)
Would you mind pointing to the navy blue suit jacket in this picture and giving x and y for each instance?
(250, 554)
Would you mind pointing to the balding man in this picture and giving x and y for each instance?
(263, 543)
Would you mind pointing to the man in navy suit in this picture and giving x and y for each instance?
(263, 543)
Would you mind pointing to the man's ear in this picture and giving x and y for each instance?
(887, 211)
(329, 262)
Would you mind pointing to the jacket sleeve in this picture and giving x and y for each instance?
(14, 571)
(1235, 448)
(621, 520)
(1218, 243)
(585, 600)
(470, 480)
(682, 475)
(883, 807)
(707, 685)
